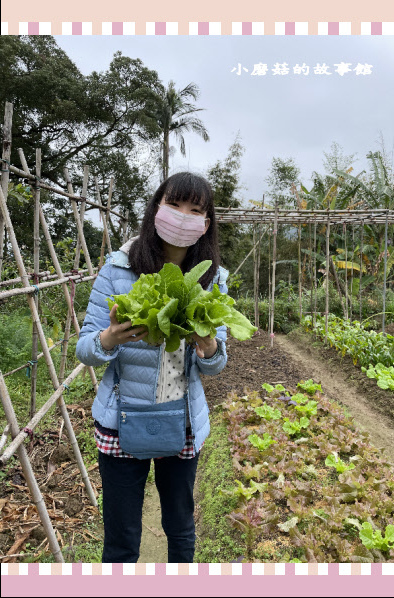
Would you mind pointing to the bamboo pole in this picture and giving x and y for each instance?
(327, 272)
(299, 274)
(257, 273)
(48, 359)
(30, 290)
(105, 229)
(269, 278)
(105, 223)
(45, 275)
(254, 271)
(67, 327)
(35, 420)
(310, 268)
(337, 283)
(28, 473)
(32, 177)
(36, 266)
(385, 272)
(351, 278)
(346, 282)
(5, 170)
(361, 267)
(314, 276)
(124, 225)
(4, 436)
(79, 224)
(244, 260)
(273, 275)
(82, 214)
(39, 356)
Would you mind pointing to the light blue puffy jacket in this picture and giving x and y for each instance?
(134, 366)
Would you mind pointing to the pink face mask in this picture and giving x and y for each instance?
(181, 230)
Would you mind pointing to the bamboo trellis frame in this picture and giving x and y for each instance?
(312, 216)
(250, 215)
(75, 276)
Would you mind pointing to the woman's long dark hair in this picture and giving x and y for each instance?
(146, 254)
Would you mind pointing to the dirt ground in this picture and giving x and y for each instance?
(298, 356)
(294, 357)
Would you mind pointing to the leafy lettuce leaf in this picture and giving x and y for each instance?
(173, 306)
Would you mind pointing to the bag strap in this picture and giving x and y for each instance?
(116, 373)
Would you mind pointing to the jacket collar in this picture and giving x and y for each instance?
(121, 258)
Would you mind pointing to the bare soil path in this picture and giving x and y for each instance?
(370, 406)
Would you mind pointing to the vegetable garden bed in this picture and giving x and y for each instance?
(308, 482)
(250, 364)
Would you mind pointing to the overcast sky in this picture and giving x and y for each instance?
(293, 115)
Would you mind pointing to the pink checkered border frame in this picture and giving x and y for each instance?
(203, 28)
(205, 569)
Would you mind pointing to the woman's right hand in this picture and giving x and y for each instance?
(118, 334)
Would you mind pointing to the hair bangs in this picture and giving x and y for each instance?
(185, 187)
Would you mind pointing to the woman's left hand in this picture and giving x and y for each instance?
(206, 346)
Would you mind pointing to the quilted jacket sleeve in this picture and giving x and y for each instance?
(97, 318)
(214, 365)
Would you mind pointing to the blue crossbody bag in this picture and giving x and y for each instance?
(148, 431)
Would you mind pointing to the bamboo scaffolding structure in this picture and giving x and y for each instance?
(59, 270)
(385, 273)
(247, 215)
(273, 275)
(310, 266)
(44, 285)
(124, 225)
(335, 273)
(43, 276)
(351, 278)
(70, 196)
(5, 170)
(269, 278)
(346, 282)
(244, 260)
(327, 272)
(44, 346)
(39, 356)
(314, 276)
(299, 275)
(361, 268)
(27, 469)
(105, 222)
(78, 223)
(256, 260)
(81, 214)
(35, 420)
(255, 243)
(36, 266)
(69, 318)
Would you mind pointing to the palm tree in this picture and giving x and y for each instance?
(174, 114)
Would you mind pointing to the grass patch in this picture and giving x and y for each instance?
(217, 541)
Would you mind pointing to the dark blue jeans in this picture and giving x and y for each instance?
(123, 482)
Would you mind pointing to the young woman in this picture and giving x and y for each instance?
(179, 226)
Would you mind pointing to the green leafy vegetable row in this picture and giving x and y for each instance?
(364, 346)
(314, 483)
(370, 349)
(173, 306)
